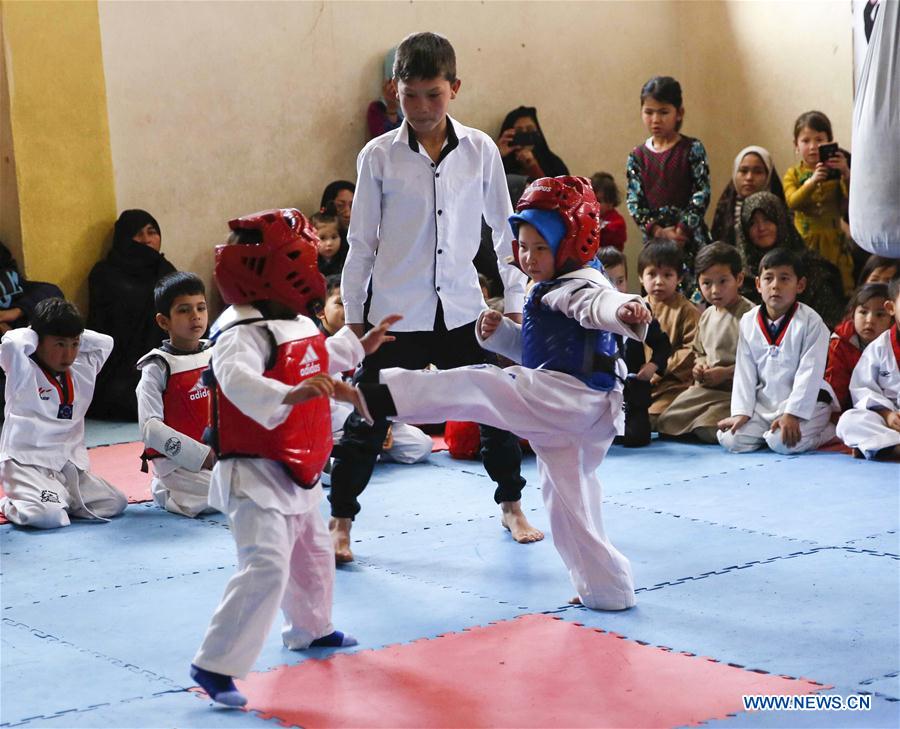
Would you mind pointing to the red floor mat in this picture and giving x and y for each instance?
(534, 671)
(438, 443)
(121, 466)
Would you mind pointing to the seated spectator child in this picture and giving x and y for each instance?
(565, 398)
(404, 443)
(660, 268)
(640, 370)
(612, 224)
(780, 397)
(173, 405)
(699, 409)
(878, 269)
(872, 426)
(332, 248)
(50, 369)
(866, 319)
(271, 430)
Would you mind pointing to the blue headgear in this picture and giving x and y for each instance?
(548, 223)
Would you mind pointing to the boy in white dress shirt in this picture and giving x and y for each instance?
(271, 431)
(422, 190)
(51, 368)
(173, 405)
(780, 397)
(872, 425)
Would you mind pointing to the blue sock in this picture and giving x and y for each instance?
(337, 639)
(220, 688)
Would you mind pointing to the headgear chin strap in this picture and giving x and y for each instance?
(574, 201)
(282, 267)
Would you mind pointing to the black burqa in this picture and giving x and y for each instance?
(551, 165)
(121, 305)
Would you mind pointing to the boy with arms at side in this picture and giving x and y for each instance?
(872, 425)
(566, 397)
(699, 409)
(660, 268)
(271, 430)
(404, 443)
(780, 397)
(422, 190)
(173, 405)
(51, 368)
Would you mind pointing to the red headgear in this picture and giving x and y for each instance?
(282, 267)
(574, 200)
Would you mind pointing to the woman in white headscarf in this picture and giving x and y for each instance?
(753, 171)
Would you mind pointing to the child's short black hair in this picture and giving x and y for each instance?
(56, 317)
(325, 217)
(332, 284)
(424, 56)
(664, 89)
(660, 252)
(894, 288)
(866, 293)
(783, 257)
(816, 121)
(605, 188)
(874, 262)
(716, 254)
(173, 285)
(610, 257)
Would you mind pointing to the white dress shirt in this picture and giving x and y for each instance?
(416, 226)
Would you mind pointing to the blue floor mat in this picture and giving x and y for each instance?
(830, 616)
(882, 715)
(102, 432)
(828, 498)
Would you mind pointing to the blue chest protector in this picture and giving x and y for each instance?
(553, 341)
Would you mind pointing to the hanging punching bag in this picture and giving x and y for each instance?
(875, 180)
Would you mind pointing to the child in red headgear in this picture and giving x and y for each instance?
(271, 431)
(566, 398)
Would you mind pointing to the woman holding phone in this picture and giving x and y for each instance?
(524, 149)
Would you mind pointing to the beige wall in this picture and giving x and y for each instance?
(220, 108)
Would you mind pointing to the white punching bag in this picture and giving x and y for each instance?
(875, 177)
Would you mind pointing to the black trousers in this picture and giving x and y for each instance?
(360, 446)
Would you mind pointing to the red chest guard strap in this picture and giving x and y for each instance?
(302, 443)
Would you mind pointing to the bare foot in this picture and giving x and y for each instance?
(515, 521)
(575, 600)
(340, 538)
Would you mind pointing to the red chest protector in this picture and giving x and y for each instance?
(303, 442)
(186, 398)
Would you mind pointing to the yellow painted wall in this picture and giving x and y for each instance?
(60, 134)
(10, 232)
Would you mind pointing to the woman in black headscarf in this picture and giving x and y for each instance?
(531, 160)
(765, 225)
(121, 305)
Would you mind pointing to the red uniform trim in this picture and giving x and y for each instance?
(782, 329)
(895, 345)
(66, 390)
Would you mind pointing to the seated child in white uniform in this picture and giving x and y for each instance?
(51, 369)
(173, 405)
(872, 425)
(271, 430)
(404, 443)
(780, 397)
(566, 397)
